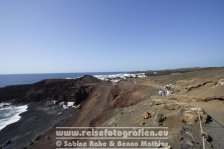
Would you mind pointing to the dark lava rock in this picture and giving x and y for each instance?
(51, 89)
(160, 118)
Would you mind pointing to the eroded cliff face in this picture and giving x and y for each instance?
(52, 89)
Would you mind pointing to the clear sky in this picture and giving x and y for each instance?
(109, 35)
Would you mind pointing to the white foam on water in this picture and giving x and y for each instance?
(11, 114)
(4, 104)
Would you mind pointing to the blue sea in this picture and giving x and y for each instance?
(15, 79)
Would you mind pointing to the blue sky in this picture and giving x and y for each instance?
(109, 35)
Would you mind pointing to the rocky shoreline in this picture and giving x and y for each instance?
(37, 120)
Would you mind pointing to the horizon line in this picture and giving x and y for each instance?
(167, 69)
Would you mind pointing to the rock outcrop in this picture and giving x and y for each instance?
(52, 89)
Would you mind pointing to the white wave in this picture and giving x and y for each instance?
(11, 114)
(69, 78)
(3, 104)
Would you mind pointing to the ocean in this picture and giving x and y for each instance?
(10, 113)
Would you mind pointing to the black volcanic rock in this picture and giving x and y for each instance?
(58, 89)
